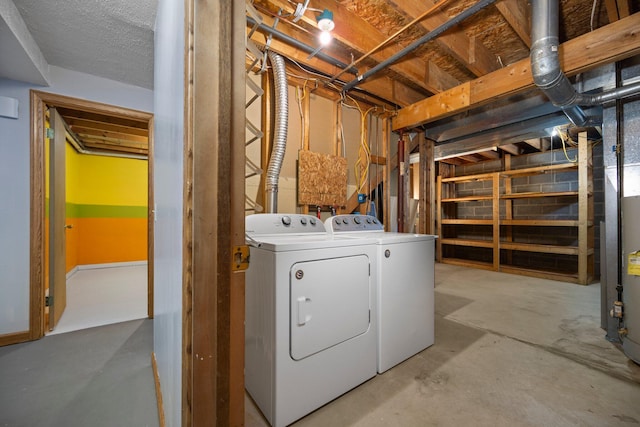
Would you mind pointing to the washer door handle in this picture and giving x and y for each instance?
(304, 310)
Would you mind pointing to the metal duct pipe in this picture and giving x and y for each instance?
(424, 39)
(547, 73)
(280, 130)
(609, 95)
(299, 45)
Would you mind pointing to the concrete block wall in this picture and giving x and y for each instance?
(534, 208)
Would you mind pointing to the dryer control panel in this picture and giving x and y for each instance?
(351, 223)
(275, 223)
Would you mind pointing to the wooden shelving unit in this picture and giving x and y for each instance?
(495, 234)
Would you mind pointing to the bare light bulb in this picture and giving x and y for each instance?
(325, 38)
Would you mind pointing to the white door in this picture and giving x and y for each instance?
(329, 303)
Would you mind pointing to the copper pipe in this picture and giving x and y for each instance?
(401, 184)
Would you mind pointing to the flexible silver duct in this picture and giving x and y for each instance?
(279, 132)
(546, 71)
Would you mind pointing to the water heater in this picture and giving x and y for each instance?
(631, 276)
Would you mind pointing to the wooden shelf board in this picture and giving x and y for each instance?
(531, 247)
(468, 242)
(542, 274)
(534, 194)
(539, 170)
(451, 221)
(467, 199)
(468, 263)
(470, 178)
(541, 222)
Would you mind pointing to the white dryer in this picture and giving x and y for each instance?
(405, 288)
(310, 315)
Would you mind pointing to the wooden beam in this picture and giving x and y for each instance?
(468, 51)
(540, 144)
(381, 86)
(617, 9)
(511, 149)
(92, 124)
(469, 158)
(350, 27)
(378, 160)
(516, 13)
(616, 41)
(489, 154)
(452, 161)
(102, 118)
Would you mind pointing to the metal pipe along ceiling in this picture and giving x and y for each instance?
(424, 39)
(546, 71)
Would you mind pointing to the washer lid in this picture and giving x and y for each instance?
(297, 242)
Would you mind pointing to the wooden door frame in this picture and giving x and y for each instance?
(213, 215)
(39, 102)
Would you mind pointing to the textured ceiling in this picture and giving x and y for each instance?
(111, 39)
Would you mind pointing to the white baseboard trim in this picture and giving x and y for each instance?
(77, 268)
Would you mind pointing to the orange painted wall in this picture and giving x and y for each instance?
(105, 240)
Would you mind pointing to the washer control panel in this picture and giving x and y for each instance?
(352, 222)
(283, 224)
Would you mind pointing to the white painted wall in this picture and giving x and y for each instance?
(14, 178)
(168, 179)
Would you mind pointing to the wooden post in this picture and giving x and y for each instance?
(213, 293)
(508, 206)
(267, 129)
(427, 183)
(585, 211)
(386, 126)
(439, 219)
(306, 110)
(496, 221)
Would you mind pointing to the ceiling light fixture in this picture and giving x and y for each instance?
(325, 20)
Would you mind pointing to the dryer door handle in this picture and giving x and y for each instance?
(304, 310)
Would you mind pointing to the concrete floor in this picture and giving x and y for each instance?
(510, 351)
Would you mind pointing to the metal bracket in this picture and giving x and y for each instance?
(50, 133)
(48, 301)
(240, 261)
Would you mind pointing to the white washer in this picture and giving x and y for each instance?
(405, 286)
(310, 315)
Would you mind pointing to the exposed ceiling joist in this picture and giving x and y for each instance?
(468, 51)
(616, 41)
(516, 13)
(108, 134)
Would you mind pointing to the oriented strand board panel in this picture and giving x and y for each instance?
(322, 179)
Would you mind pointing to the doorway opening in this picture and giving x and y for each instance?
(105, 132)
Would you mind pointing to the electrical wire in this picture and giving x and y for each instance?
(563, 138)
(361, 167)
(593, 13)
(299, 99)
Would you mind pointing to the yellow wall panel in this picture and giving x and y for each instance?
(113, 181)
